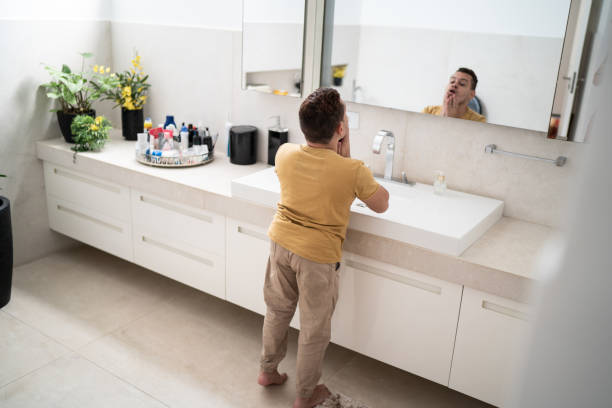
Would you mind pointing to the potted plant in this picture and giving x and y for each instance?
(127, 89)
(6, 250)
(73, 91)
(89, 134)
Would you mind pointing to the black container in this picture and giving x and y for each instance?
(65, 121)
(132, 123)
(276, 137)
(243, 144)
(6, 251)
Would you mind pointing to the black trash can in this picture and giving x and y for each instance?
(6, 251)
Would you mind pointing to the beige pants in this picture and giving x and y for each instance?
(291, 279)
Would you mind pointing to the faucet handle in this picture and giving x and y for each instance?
(384, 133)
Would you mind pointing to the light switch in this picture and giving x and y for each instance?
(353, 119)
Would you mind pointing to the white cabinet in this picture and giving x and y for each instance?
(248, 249)
(247, 257)
(89, 209)
(400, 317)
(489, 346)
(179, 241)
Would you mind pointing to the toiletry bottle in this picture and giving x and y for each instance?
(228, 126)
(148, 124)
(169, 120)
(276, 137)
(184, 138)
(439, 183)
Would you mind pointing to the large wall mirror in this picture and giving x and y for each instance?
(531, 57)
(272, 46)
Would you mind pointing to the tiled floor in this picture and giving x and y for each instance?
(85, 329)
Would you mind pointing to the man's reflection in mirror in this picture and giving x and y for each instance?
(459, 92)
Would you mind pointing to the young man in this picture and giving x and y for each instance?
(319, 181)
(459, 92)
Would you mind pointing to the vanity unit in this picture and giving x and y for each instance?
(456, 319)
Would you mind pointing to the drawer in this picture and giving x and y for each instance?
(403, 318)
(184, 263)
(248, 250)
(86, 191)
(98, 230)
(179, 223)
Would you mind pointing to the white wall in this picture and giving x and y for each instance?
(539, 18)
(223, 15)
(63, 10)
(24, 110)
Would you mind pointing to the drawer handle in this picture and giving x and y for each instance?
(176, 209)
(252, 233)
(89, 218)
(177, 251)
(395, 277)
(82, 179)
(494, 307)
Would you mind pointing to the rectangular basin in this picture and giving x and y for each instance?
(447, 223)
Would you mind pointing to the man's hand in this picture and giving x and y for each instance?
(448, 107)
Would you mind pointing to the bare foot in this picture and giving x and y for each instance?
(274, 378)
(319, 395)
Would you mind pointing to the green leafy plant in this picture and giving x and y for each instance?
(90, 133)
(73, 90)
(127, 89)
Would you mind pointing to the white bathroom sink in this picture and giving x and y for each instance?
(447, 223)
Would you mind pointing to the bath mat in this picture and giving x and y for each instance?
(337, 400)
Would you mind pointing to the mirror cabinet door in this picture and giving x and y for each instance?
(272, 46)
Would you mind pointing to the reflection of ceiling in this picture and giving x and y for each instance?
(536, 18)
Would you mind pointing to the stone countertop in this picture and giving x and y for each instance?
(501, 262)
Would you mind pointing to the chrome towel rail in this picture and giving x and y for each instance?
(559, 161)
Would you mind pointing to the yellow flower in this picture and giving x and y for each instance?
(95, 68)
(107, 70)
(98, 120)
(127, 90)
(132, 69)
(94, 127)
(113, 75)
(140, 89)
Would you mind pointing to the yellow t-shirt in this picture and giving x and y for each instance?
(318, 187)
(469, 115)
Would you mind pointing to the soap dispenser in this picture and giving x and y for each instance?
(439, 183)
(276, 137)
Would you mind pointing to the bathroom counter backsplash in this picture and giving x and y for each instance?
(500, 262)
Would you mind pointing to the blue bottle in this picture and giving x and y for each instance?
(170, 121)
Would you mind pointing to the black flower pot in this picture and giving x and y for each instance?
(65, 121)
(132, 123)
(6, 251)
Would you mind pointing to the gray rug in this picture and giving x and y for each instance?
(337, 400)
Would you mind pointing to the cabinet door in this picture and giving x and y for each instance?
(91, 227)
(400, 317)
(490, 343)
(187, 264)
(248, 249)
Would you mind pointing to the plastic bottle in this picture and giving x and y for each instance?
(184, 138)
(169, 120)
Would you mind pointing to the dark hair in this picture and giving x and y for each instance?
(320, 114)
(470, 73)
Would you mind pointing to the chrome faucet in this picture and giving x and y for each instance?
(378, 141)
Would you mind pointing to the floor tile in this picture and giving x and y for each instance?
(379, 385)
(23, 349)
(73, 382)
(79, 295)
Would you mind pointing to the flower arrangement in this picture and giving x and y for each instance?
(90, 133)
(73, 90)
(127, 89)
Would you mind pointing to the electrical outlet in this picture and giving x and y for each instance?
(353, 119)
